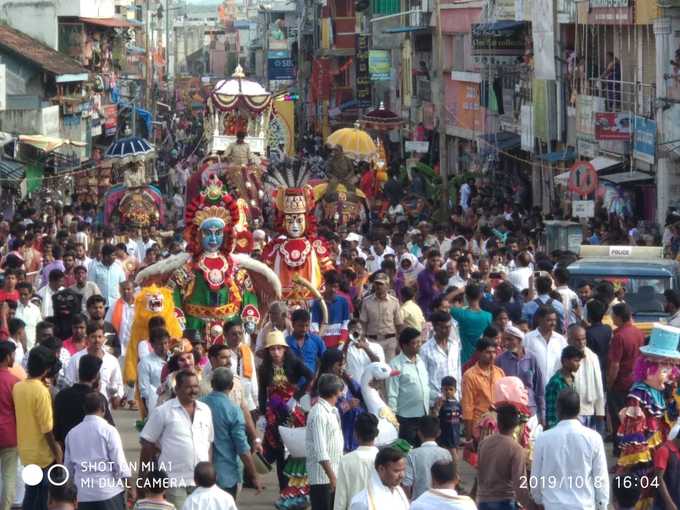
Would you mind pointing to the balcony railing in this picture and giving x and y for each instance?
(624, 96)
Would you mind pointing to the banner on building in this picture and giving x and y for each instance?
(362, 76)
(613, 126)
(110, 119)
(282, 127)
(526, 117)
(406, 74)
(543, 37)
(610, 12)
(644, 145)
(379, 65)
(500, 42)
(280, 69)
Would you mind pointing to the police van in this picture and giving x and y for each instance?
(640, 270)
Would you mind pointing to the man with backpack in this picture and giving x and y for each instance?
(543, 288)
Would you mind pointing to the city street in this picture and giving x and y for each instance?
(125, 422)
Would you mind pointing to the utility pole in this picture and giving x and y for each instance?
(167, 43)
(441, 112)
(149, 57)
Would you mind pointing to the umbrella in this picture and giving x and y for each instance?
(355, 142)
(130, 150)
(381, 119)
(231, 94)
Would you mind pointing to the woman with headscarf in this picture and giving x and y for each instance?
(407, 274)
(350, 404)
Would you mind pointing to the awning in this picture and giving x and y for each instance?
(498, 26)
(503, 140)
(107, 22)
(48, 143)
(621, 177)
(602, 163)
(136, 50)
(554, 157)
(400, 30)
(11, 172)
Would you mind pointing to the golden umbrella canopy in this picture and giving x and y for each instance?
(356, 143)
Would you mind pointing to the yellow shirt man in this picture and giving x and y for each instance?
(412, 315)
(33, 409)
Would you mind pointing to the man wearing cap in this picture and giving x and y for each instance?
(381, 317)
(518, 362)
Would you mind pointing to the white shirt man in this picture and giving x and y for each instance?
(354, 472)
(149, 379)
(183, 442)
(520, 277)
(323, 441)
(357, 360)
(111, 379)
(442, 362)
(548, 353)
(30, 314)
(573, 455)
(588, 384)
(443, 499)
(209, 498)
(45, 294)
(95, 441)
(378, 496)
(570, 303)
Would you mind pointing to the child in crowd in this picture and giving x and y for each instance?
(154, 485)
(450, 417)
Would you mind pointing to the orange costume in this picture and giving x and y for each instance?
(298, 251)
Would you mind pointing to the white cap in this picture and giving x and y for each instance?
(353, 237)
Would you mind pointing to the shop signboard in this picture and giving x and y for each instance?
(583, 208)
(362, 75)
(380, 65)
(281, 69)
(644, 145)
(415, 146)
(610, 12)
(499, 42)
(586, 148)
(613, 126)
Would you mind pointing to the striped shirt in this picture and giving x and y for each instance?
(323, 442)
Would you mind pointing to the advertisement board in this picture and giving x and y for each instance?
(380, 65)
(613, 126)
(644, 145)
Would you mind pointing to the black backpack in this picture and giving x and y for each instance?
(560, 325)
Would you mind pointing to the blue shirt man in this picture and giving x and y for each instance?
(231, 443)
(305, 345)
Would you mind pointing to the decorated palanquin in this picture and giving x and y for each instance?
(347, 208)
(243, 182)
(297, 252)
(652, 408)
(134, 207)
(211, 283)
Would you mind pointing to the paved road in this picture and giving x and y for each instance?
(125, 422)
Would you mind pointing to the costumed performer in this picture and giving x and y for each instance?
(210, 283)
(651, 408)
(297, 251)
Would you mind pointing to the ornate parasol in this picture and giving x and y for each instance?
(232, 94)
(130, 150)
(381, 119)
(356, 143)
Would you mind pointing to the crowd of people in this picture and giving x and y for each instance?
(465, 337)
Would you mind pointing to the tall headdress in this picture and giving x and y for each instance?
(212, 202)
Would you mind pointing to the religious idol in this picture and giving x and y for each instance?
(297, 252)
(212, 283)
